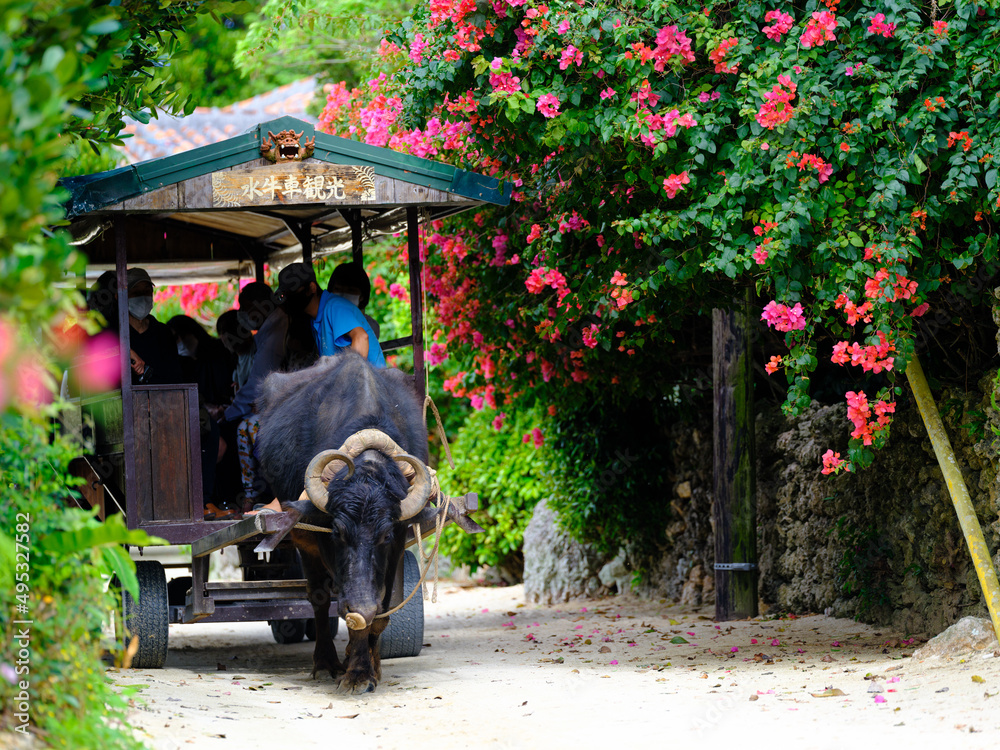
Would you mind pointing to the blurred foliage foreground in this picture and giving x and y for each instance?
(55, 596)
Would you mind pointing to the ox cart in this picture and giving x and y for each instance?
(223, 211)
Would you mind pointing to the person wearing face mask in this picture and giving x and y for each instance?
(151, 340)
(336, 320)
(239, 342)
(204, 360)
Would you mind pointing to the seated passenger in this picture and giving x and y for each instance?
(258, 312)
(204, 360)
(239, 342)
(350, 280)
(337, 321)
(103, 298)
(151, 340)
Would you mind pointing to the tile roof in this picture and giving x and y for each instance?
(170, 135)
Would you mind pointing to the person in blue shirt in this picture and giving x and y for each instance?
(337, 322)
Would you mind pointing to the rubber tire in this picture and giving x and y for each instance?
(287, 631)
(149, 618)
(405, 634)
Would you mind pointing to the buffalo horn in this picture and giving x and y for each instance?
(368, 439)
(415, 471)
(314, 484)
(420, 487)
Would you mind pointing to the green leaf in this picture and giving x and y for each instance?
(112, 531)
(118, 562)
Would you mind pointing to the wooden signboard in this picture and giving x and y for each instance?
(293, 183)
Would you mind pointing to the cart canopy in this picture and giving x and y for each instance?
(218, 210)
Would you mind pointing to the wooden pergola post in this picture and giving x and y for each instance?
(734, 504)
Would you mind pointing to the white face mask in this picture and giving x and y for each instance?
(354, 299)
(140, 307)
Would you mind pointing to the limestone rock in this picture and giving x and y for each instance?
(557, 568)
(968, 635)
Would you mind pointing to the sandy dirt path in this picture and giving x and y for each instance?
(497, 673)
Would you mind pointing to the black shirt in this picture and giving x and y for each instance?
(158, 349)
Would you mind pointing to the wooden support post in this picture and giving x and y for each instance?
(259, 258)
(416, 300)
(303, 233)
(734, 506)
(132, 519)
(353, 218)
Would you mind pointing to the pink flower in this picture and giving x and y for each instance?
(718, 56)
(563, 27)
(671, 45)
(505, 82)
(548, 105)
(782, 24)
(675, 183)
(777, 108)
(941, 28)
(398, 291)
(536, 281)
(536, 232)
(819, 30)
(879, 26)
(613, 662)
(496, 63)
(784, 318)
(498, 425)
(102, 371)
(760, 255)
(536, 435)
(32, 382)
(832, 464)
(608, 93)
(570, 55)
(879, 699)
(417, 49)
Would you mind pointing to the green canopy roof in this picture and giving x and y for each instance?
(175, 214)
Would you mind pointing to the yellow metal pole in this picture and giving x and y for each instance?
(959, 492)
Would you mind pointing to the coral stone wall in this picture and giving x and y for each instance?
(883, 545)
(890, 533)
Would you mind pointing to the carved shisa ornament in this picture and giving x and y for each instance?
(285, 147)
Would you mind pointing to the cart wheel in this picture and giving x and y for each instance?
(148, 618)
(287, 631)
(405, 634)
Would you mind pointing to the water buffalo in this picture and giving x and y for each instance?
(352, 438)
